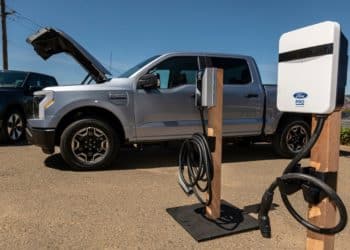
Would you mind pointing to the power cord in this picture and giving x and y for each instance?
(196, 165)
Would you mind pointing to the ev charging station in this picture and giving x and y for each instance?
(206, 85)
(311, 79)
(312, 73)
(312, 69)
(200, 170)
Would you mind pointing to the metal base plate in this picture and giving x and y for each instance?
(232, 221)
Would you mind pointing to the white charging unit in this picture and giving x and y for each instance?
(205, 95)
(312, 69)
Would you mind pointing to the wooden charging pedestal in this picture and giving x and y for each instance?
(220, 218)
(325, 158)
(215, 129)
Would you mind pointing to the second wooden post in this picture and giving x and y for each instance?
(325, 158)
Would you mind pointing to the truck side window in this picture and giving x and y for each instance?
(48, 81)
(176, 71)
(236, 71)
(40, 81)
(34, 80)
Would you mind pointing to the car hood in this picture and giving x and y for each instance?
(49, 41)
(115, 84)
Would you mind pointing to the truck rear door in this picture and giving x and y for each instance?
(243, 96)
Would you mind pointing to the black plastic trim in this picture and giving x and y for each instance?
(342, 70)
(44, 138)
(319, 50)
(211, 142)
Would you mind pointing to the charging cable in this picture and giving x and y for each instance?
(291, 181)
(196, 165)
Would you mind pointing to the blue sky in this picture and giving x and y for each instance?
(126, 32)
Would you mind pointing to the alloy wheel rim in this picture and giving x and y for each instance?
(15, 127)
(90, 145)
(297, 137)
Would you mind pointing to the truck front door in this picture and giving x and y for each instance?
(168, 112)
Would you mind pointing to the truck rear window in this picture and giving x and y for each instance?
(236, 71)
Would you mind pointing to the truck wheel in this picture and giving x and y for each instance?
(291, 137)
(89, 144)
(13, 127)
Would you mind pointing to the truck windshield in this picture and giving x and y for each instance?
(11, 79)
(132, 70)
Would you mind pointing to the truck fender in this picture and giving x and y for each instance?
(120, 113)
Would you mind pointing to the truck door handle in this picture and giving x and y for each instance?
(252, 96)
(193, 95)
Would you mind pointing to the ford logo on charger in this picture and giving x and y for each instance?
(300, 95)
(299, 98)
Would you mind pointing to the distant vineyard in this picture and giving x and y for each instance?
(345, 136)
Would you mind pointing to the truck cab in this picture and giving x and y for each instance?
(169, 110)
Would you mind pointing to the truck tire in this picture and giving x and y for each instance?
(89, 144)
(13, 129)
(291, 136)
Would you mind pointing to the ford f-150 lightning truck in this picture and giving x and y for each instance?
(151, 102)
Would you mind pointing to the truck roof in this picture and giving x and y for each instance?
(212, 54)
(24, 71)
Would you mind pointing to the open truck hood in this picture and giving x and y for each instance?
(49, 41)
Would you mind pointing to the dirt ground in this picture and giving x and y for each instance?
(44, 205)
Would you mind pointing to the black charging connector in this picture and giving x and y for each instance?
(264, 220)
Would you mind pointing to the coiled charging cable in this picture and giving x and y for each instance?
(290, 177)
(196, 165)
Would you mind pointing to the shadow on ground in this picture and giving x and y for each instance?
(344, 153)
(18, 144)
(154, 156)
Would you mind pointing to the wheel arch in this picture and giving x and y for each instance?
(89, 112)
(286, 117)
(15, 106)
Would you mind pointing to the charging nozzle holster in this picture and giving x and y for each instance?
(312, 194)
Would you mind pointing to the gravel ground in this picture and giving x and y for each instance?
(44, 205)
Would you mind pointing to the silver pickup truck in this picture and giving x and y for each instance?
(151, 102)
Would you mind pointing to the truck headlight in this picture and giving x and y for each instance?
(47, 100)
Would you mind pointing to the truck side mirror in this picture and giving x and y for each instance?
(148, 81)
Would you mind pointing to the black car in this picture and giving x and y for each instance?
(16, 101)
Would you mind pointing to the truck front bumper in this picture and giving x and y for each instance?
(44, 138)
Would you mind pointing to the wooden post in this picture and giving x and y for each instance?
(325, 158)
(215, 129)
(4, 35)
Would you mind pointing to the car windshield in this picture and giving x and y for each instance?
(12, 79)
(132, 70)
